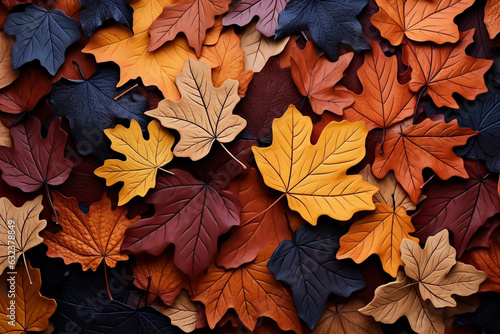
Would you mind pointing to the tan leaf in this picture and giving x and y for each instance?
(183, 313)
(5, 138)
(7, 73)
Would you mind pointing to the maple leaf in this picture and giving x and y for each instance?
(231, 61)
(159, 276)
(461, 206)
(381, 233)
(129, 50)
(7, 73)
(259, 48)
(25, 93)
(409, 152)
(41, 34)
(316, 78)
(25, 223)
(445, 69)
(32, 310)
(203, 115)
(192, 17)
(384, 101)
(34, 161)
(344, 318)
(309, 266)
(241, 12)
(184, 313)
(89, 238)
(329, 22)
(313, 177)
(143, 158)
(419, 21)
(221, 289)
(491, 11)
(487, 260)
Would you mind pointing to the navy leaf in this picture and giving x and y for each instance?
(308, 264)
(90, 108)
(329, 22)
(116, 317)
(486, 315)
(483, 115)
(95, 12)
(41, 34)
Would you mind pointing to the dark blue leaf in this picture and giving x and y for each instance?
(90, 108)
(483, 115)
(329, 22)
(486, 315)
(95, 12)
(308, 264)
(116, 317)
(41, 34)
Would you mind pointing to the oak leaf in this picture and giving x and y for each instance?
(313, 177)
(184, 313)
(381, 233)
(26, 224)
(192, 17)
(143, 158)
(445, 69)
(316, 77)
(129, 50)
(419, 20)
(384, 101)
(203, 114)
(89, 238)
(258, 47)
(7, 73)
(32, 310)
(251, 290)
(491, 14)
(159, 276)
(407, 154)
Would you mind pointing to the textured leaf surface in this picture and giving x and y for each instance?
(487, 260)
(309, 266)
(42, 35)
(95, 12)
(384, 101)
(241, 12)
(316, 78)
(427, 144)
(89, 238)
(381, 233)
(419, 20)
(491, 14)
(90, 107)
(313, 177)
(143, 158)
(7, 73)
(330, 23)
(32, 309)
(461, 206)
(26, 224)
(192, 17)
(184, 313)
(203, 115)
(263, 296)
(445, 69)
(34, 161)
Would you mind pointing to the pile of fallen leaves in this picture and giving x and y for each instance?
(250, 166)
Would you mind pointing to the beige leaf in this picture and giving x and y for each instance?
(7, 73)
(259, 48)
(183, 313)
(5, 138)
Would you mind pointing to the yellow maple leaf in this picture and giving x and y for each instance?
(144, 158)
(313, 177)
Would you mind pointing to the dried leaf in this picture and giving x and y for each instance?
(7, 73)
(487, 260)
(491, 14)
(184, 313)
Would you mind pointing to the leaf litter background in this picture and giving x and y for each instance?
(251, 166)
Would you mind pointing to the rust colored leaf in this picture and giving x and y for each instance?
(191, 17)
(251, 290)
(384, 101)
(167, 280)
(7, 73)
(419, 20)
(71, 71)
(445, 69)
(491, 17)
(89, 238)
(427, 144)
(316, 77)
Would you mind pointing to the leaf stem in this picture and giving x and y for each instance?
(27, 271)
(125, 92)
(107, 284)
(79, 69)
(50, 202)
(232, 156)
(302, 102)
(270, 206)
(422, 90)
(50, 5)
(166, 171)
(147, 290)
(477, 161)
(383, 140)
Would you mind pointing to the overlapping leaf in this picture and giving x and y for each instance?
(7, 73)
(184, 313)
(491, 12)
(95, 12)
